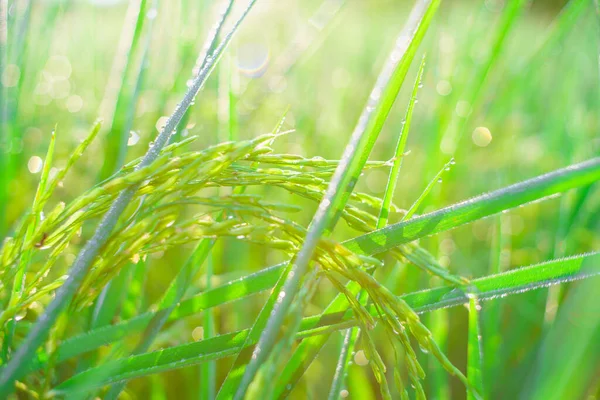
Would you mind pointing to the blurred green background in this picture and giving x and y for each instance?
(537, 110)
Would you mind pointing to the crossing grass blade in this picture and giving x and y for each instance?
(490, 287)
(576, 175)
(340, 187)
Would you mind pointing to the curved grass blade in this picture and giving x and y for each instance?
(479, 207)
(490, 287)
(346, 174)
(23, 356)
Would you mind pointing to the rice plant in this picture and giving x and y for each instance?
(245, 254)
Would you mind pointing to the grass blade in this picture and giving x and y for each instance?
(345, 357)
(490, 287)
(390, 189)
(353, 160)
(478, 207)
(474, 349)
(207, 48)
(208, 371)
(5, 158)
(436, 179)
(22, 357)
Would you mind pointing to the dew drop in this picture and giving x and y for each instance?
(439, 180)
(133, 138)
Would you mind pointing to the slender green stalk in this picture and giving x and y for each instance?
(208, 371)
(436, 179)
(345, 357)
(208, 47)
(5, 138)
(493, 312)
(352, 162)
(398, 156)
(474, 351)
(22, 357)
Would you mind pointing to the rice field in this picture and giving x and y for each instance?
(304, 199)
